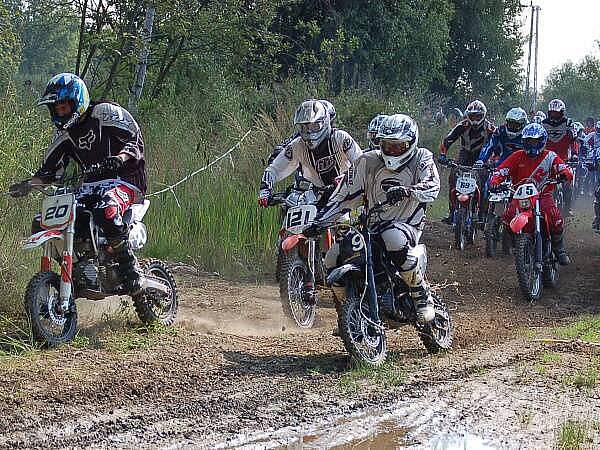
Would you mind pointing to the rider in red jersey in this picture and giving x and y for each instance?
(540, 164)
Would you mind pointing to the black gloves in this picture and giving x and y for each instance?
(313, 230)
(20, 189)
(396, 194)
(111, 164)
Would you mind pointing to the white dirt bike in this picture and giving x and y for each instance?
(70, 237)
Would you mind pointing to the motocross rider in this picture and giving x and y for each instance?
(323, 152)
(474, 132)
(504, 142)
(539, 117)
(91, 133)
(536, 161)
(561, 139)
(404, 175)
(592, 141)
(372, 131)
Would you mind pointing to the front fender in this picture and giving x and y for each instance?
(40, 238)
(520, 221)
(339, 272)
(291, 242)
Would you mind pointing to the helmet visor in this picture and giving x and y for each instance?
(555, 115)
(310, 127)
(514, 125)
(394, 148)
(531, 142)
(475, 117)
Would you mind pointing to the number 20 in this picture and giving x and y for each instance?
(56, 212)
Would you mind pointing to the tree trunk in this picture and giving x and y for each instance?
(164, 71)
(142, 65)
(81, 34)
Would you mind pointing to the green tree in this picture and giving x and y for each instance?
(576, 84)
(10, 45)
(485, 48)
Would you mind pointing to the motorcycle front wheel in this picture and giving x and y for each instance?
(49, 324)
(292, 292)
(364, 342)
(530, 277)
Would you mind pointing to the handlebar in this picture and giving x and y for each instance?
(455, 165)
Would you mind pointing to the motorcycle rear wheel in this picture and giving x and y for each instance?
(438, 335)
(151, 309)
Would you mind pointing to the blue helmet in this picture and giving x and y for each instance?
(534, 131)
(66, 86)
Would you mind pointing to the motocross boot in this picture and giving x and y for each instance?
(596, 223)
(124, 257)
(419, 290)
(558, 247)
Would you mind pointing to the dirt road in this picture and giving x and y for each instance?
(234, 374)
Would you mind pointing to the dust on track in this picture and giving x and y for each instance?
(236, 367)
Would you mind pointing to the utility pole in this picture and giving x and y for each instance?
(531, 94)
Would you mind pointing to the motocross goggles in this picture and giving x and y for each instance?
(515, 126)
(394, 148)
(311, 127)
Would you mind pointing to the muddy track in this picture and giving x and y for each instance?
(237, 374)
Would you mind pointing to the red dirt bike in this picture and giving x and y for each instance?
(466, 198)
(300, 270)
(69, 236)
(536, 263)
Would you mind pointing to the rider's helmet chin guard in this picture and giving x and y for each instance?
(516, 119)
(556, 110)
(66, 87)
(373, 129)
(398, 137)
(535, 137)
(476, 112)
(313, 123)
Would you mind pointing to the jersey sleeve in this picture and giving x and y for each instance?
(427, 187)
(56, 156)
(350, 146)
(452, 137)
(504, 170)
(282, 167)
(491, 146)
(349, 193)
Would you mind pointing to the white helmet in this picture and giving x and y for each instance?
(476, 112)
(578, 129)
(539, 117)
(330, 110)
(373, 129)
(399, 139)
(516, 119)
(313, 122)
(556, 110)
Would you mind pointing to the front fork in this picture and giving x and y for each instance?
(371, 289)
(539, 253)
(66, 266)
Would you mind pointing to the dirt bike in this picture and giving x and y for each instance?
(300, 272)
(535, 262)
(495, 231)
(585, 179)
(466, 198)
(69, 236)
(377, 297)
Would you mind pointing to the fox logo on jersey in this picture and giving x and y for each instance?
(85, 142)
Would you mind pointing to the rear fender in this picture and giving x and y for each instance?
(520, 221)
(38, 239)
(340, 272)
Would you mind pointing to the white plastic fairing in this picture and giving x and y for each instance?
(138, 236)
(525, 191)
(466, 184)
(139, 211)
(40, 238)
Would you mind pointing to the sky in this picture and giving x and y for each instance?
(567, 31)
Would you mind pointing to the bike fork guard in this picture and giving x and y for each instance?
(371, 289)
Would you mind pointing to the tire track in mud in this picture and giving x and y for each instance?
(238, 369)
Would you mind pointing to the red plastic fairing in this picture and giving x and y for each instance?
(520, 221)
(45, 265)
(290, 242)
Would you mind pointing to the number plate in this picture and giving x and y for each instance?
(496, 197)
(525, 191)
(466, 184)
(56, 211)
(298, 218)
